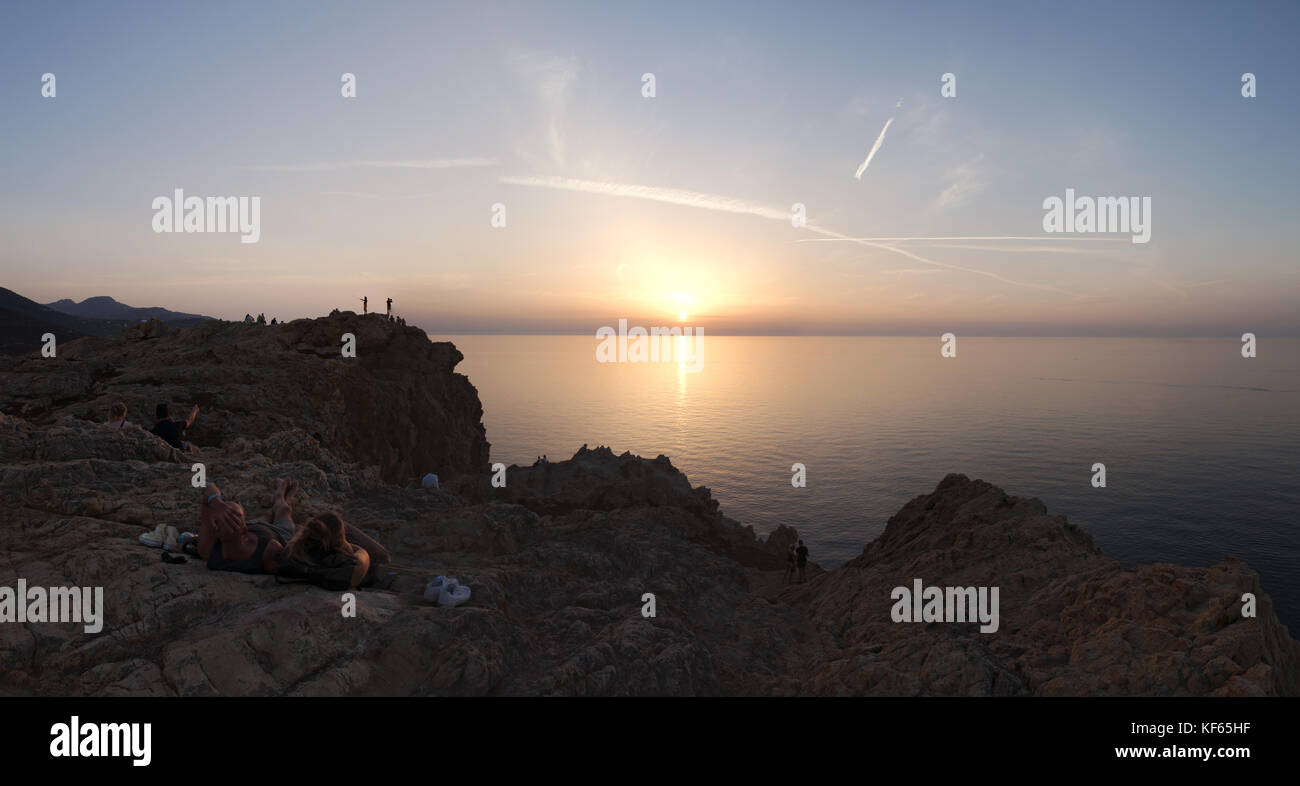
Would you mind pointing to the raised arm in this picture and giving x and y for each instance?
(194, 413)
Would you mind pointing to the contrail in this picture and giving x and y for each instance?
(673, 196)
(952, 237)
(872, 244)
(677, 196)
(879, 141)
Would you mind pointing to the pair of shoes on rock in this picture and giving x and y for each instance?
(164, 536)
(446, 591)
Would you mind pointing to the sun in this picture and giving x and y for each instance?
(682, 299)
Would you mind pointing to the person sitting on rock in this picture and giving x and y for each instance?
(117, 417)
(171, 431)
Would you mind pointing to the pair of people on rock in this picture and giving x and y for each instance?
(165, 428)
(271, 543)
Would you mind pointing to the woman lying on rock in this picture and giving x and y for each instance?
(327, 552)
(324, 551)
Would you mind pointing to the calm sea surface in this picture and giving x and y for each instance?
(1200, 444)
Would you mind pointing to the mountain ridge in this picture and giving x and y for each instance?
(106, 307)
(24, 322)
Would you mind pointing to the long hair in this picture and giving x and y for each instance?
(324, 534)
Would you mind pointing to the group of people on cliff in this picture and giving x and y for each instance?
(365, 309)
(325, 550)
(165, 428)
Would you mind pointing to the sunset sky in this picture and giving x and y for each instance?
(665, 210)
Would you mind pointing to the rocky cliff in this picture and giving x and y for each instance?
(397, 405)
(558, 560)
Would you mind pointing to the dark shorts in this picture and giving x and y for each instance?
(283, 529)
(251, 563)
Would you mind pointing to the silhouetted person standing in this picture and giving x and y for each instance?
(365, 302)
(789, 565)
(390, 307)
(801, 554)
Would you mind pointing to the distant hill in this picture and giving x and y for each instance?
(24, 321)
(104, 307)
(20, 334)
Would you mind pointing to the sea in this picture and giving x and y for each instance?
(1199, 443)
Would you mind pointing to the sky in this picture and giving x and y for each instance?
(674, 209)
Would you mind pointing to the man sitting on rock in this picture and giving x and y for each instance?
(171, 431)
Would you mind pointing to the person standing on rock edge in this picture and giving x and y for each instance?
(802, 554)
(390, 307)
(365, 303)
(789, 565)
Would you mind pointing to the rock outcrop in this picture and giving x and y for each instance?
(1072, 621)
(398, 404)
(559, 560)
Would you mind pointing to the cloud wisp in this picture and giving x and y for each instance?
(368, 195)
(434, 163)
(968, 180)
(550, 77)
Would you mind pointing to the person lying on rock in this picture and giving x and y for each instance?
(228, 541)
(325, 548)
(171, 431)
(311, 541)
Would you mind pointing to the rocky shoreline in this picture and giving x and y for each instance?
(558, 559)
